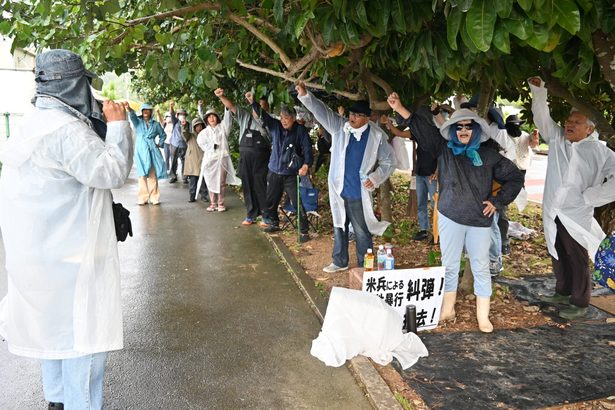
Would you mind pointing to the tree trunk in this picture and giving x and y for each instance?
(487, 95)
(385, 201)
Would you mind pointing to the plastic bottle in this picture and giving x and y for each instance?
(381, 257)
(389, 261)
(368, 261)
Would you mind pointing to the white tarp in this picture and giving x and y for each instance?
(359, 323)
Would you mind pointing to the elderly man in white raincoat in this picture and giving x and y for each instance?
(580, 176)
(63, 303)
(356, 145)
(217, 167)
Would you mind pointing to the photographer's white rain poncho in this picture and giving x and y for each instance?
(57, 225)
(580, 177)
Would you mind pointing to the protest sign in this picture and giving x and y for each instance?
(421, 287)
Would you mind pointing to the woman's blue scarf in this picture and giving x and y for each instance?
(471, 149)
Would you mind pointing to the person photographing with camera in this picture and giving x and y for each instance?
(64, 304)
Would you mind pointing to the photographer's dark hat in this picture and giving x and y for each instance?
(59, 64)
(513, 119)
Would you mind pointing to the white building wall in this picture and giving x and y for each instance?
(17, 80)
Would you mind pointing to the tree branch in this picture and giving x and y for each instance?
(604, 46)
(177, 12)
(291, 79)
(263, 37)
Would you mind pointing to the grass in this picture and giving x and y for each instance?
(403, 401)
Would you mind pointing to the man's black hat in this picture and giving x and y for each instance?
(361, 107)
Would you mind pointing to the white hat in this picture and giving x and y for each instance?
(465, 114)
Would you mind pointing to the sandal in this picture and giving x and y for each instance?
(221, 208)
(211, 208)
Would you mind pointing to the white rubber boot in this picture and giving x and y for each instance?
(448, 306)
(482, 314)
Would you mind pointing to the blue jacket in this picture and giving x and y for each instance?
(298, 136)
(147, 153)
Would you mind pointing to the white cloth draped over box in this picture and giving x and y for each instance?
(361, 323)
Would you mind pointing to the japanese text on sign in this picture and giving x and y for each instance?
(421, 287)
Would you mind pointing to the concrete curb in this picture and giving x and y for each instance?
(375, 388)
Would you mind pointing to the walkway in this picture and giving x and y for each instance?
(212, 320)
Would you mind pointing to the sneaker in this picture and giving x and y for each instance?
(265, 223)
(505, 250)
(334, 268)
(192, 199)
(212, 208)
(304, 237)
(495, 268)
(185, 180)
(247, 222)
(172, 180)
(556, 299)
(573, 312)
(420, 236)
(221, 208)
(272, 228)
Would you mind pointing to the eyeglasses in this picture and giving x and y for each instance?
(356, 114)
(464, 126)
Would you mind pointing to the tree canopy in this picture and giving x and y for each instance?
(423, 49)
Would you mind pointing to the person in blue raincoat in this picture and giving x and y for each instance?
(148, 159)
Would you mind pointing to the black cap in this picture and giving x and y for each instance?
(361, 107)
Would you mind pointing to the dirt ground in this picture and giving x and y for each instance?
(527, 257)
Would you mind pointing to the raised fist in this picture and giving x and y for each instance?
(300, 87)
(535, 81)
(250, 97)
(219, 92)
(394, 101)
(114, 111)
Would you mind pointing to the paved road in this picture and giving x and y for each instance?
(212, 320)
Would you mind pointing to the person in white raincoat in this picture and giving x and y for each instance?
(63, 303)
(217, 167)
(580, 177)
(356, 145)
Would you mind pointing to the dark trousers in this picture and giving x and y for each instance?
(177, 154)
(167, 156)
(503, 225)
(321, 160)
(363, 237)
(572, 268)
(253, 173)
(277, 184)
(192, 183)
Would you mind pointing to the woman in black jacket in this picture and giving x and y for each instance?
(467, 169)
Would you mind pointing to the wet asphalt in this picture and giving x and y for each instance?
(212, 320)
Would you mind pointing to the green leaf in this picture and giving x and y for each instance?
(182, 74)
(540, 37)
(361, 13)
(480, 22)
(554, 37)
(278, 11)
(463, 5)
(526, 5)
(467, 40)
(452, 27)
(501, 39)
(212, 83)
(521, 28)
(301, 22)
(205, 54)
(566, 14)
(139, 32)
(503, 7)
(397, 12)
